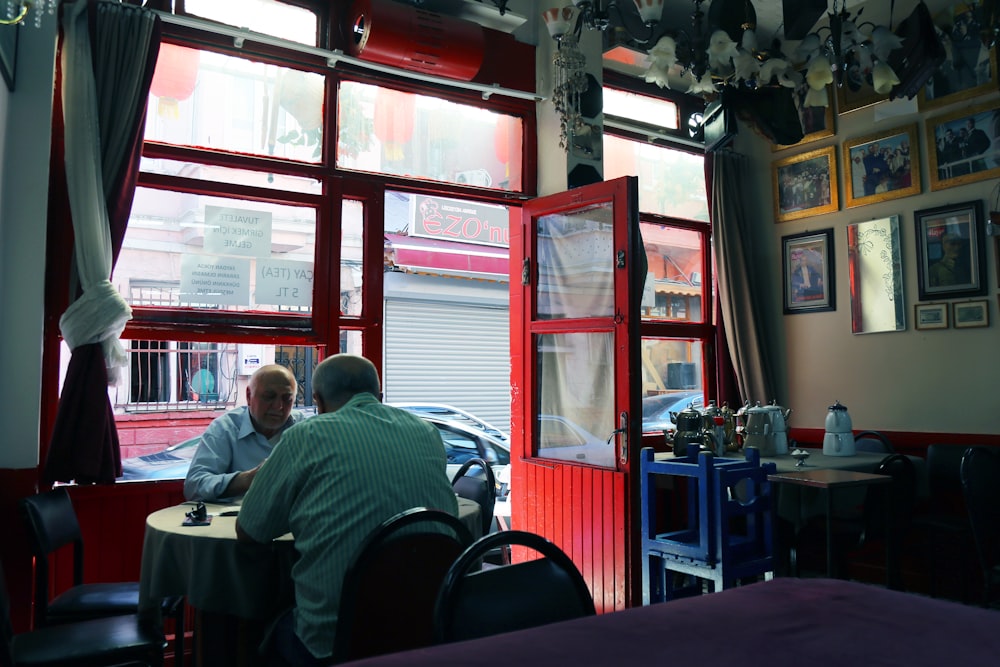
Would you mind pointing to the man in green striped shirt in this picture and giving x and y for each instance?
(332, 480)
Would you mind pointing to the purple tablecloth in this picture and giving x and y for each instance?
(769, 624)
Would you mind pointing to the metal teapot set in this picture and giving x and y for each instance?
(765, 427)
(722, 430)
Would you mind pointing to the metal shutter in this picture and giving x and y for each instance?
(447, 352)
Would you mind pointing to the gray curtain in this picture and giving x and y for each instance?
(739, 296)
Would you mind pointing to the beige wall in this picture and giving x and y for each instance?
(924, 381)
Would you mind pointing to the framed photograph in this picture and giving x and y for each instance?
(8, 53)
(969, 314)
(807, 268)
(882, 166)
(950, 251)
(969, 69)
(931, 315)
(817, 122)
(805, 185)
(857, 91)
(964, 146)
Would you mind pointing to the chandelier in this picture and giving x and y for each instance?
(846, 52)
(720, 50)
(28, 13)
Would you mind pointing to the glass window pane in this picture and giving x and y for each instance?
(671, 182)
(183, 249)
(577, 411)
(576, 264)
(210, 100)
(352, 244)
(650, 110)
(217, 174)
(269, 17)
(386, 131)
(674, 259)
(671, 380)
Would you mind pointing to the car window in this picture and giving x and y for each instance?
(496, 455)
(458, 446)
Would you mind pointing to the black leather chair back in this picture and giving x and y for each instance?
(980, 474)
(491, 601)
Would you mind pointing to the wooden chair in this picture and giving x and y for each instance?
(52, 524)
(391, 584)
(729, 532)
(477, 603)
(99, 642)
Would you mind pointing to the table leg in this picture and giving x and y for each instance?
(829, 532)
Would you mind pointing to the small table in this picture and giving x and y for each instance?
(829, 479)
(234, 587)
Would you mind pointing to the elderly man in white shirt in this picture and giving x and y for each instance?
(235, 445)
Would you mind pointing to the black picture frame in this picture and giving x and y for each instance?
(8, 54)
(808, 277)
(954, 230)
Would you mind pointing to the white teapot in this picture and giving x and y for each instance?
(778, 418)
(839, 437)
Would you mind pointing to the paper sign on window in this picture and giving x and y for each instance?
(284, 282)
(237, 231)
(214, 281)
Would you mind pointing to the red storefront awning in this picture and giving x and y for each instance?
(419, 255)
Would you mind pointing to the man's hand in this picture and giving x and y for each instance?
(239, 484)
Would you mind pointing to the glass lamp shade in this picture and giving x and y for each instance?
(649, 10)
(559, 20)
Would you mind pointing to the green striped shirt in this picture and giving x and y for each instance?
(331, 481)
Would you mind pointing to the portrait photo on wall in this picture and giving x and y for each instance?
(807, 269)
(882, 166)
(969, 68)
(817, 122)
(964, 146)
(805, 185)
(950, 251)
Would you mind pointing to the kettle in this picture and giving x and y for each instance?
(779, 426)
(757, 432)
(839, 437)
(688, 422)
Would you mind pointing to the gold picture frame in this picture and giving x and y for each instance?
(881, 166)
(953, 160)
(970, 314)
(974, 74)
(805, 185)
(855, 91)
(817, 122)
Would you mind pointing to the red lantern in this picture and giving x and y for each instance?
(175, 77)
(395, 114)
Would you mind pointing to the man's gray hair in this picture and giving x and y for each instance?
(338, 378)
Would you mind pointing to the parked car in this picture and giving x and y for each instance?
(566, 440)
(656, 409)
(465, 436)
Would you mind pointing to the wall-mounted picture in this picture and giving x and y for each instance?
(805, 185)
(969, 314)
(950, 251)
(964, 146)
(807, 268)
(931, 315)
(856, 92)
(970, 68)
(817, 122)
(882, 166)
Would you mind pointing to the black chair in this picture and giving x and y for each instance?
(113, 640)
(391, 583)
(942, 527)
(874, 526)
(873, 441)
(479, 488)
(522, 595)
(980, 473)
(52, 524)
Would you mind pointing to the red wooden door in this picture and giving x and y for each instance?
(575, 262)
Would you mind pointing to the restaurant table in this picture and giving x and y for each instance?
(784, 622)
(235, 588)
(829, 480)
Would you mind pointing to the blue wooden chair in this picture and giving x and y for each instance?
(728, 533)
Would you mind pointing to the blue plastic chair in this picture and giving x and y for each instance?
(728, 535)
